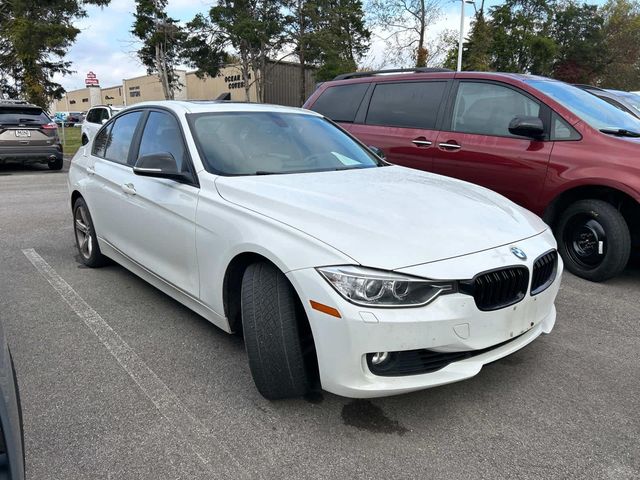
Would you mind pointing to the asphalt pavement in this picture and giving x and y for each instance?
(118, 381)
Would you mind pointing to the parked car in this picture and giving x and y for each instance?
(555, 149)
(94, 119)
(11, 432)
(272, 221)
(28, 135)
(625, 101)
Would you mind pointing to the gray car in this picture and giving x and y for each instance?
(11, 434)
(626, 101)
(28, 135)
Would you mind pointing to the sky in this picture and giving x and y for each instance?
(106, 47)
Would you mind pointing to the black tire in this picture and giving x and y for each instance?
(84, 140)
(85, 235)
(55, 164)
(271, 333)
(594, 240)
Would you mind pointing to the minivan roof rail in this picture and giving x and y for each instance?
(346, 76)
(588, 87)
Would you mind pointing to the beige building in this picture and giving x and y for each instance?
(281, 87)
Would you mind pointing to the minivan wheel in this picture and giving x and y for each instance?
(86, 238)
(270, 310)
(594, 240)
(55, 164)
(84, 140)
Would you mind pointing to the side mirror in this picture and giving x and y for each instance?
(160, 165)
(531, 127)
(377, 151)
(103, 121)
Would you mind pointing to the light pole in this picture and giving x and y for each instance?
(461, 39)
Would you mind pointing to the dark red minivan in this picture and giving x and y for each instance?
(555, 149)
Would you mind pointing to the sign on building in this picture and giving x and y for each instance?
(91, 80)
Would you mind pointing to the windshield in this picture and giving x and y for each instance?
(22, 115)
(631, 98)
(593, 110)
(262, 143)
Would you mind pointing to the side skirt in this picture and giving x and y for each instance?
(161, 284)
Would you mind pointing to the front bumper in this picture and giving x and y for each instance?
(452, 323)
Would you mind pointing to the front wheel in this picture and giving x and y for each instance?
(270, 322)
(594, 240)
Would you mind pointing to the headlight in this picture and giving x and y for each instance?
(379, 288)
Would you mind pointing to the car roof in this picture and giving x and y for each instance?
(199, 106)
(412, 75)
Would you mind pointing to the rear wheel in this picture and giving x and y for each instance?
(594, 240)
(84, 139)
(55, 164)
(86, 238)
(271, 324)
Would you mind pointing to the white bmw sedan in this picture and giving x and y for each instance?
(341, 271)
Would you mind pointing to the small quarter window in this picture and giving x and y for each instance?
(341, 103)
(561, 130)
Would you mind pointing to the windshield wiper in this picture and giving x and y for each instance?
(620, 132)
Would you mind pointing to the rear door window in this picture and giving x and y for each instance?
(487, 109)
(407, 104)
(93, 115)
(341, 103)
(22, 116)
(120, 136)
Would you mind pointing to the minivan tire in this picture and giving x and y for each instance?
(84, 140)
(271, 333)
(55, 164)
(582, 226)
(91, 257)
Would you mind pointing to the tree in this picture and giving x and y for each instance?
(34, 38)
(521, 37)
(405, 23)
(161, 38)
(252, 29)
(578, 33)
(341, 37)
(622, 44)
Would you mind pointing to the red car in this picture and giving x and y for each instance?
(555, 149)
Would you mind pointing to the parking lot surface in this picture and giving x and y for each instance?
(119, 381)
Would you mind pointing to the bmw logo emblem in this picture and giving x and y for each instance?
(519, 253)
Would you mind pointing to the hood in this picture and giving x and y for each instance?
(387, 217)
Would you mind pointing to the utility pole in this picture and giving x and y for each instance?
(461, 38)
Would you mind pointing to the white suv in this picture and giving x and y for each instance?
(95, 118)
(339, 269)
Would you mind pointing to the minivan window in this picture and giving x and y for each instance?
(487, 108)
(591, 109)
(341, 103)
(407, 104)
(264, 143)
(120, 137)
(93, 116)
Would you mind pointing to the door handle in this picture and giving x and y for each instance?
(91, 171)
(421, 143)
(449, 146)
(128, 188)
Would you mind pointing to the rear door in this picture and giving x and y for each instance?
(24, 126)
(475, 143)
(402, 119)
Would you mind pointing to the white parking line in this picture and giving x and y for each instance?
(193, 434)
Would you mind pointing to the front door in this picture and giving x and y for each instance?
(478, 147)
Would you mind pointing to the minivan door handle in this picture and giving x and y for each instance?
(421, 142)
(449, 146)
(91, 171)
(128, 188)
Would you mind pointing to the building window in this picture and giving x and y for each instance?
(134, 94)
(85, 100)
(134, 91)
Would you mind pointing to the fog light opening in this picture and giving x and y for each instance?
(379, 358)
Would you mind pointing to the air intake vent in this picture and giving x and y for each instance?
(498, 288)
(544, 272)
